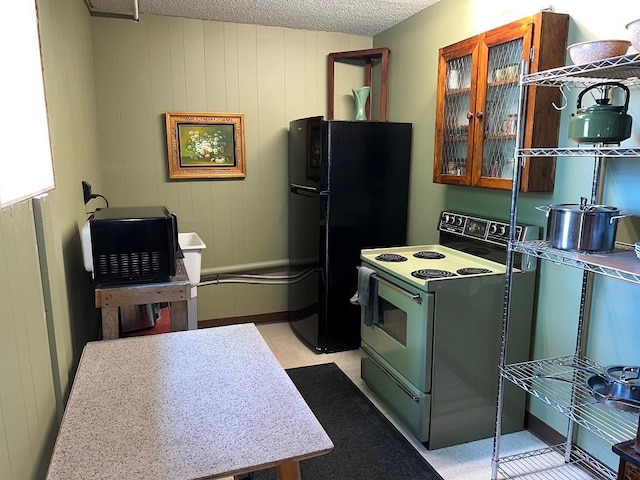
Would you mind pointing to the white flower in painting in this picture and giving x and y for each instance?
(204, 145)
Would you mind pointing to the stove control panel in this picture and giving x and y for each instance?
(487, 229)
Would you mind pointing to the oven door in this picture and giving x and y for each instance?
(403, 340)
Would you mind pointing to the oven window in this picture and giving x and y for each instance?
(395, 321)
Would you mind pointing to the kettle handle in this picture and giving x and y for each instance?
(611, 84)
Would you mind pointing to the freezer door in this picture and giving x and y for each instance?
(368, 164)
(306, 151)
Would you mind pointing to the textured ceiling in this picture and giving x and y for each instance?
(358, 17)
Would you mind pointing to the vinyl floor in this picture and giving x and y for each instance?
(469, 461)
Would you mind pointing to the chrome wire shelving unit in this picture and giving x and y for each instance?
(552, 462)
(587, 151)
(625, 69)
(552, 381)
(562, 382)
(621, 263)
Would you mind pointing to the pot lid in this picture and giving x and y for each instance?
(581, 207)
(623, 374)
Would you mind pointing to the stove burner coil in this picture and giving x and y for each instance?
(429, 255)
(427, 273)
(472, 271)
(391, 257)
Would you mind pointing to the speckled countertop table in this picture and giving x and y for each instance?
(184, 405)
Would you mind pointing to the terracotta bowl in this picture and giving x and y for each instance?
(634, 33)
(586, 52)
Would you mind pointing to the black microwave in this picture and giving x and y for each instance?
(132, 244)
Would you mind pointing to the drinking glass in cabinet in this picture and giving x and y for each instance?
(456, 166)
(510, 124)
(453, 79)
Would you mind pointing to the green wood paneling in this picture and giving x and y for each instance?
(5, 465)
(27, 402)
(271, 75)
(246, 206)
(14, 401)
(39, 344)
(295, 78)
(214, 63)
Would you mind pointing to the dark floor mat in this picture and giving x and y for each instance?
(367, 445)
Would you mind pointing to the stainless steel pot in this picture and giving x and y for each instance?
(618, 386)
(624, 381)
(582, 227)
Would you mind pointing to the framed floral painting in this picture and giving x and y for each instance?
(205, 145)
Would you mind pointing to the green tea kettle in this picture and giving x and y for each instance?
(601, 123)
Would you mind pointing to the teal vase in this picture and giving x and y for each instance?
(360, 96)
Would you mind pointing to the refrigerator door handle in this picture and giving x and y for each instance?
(297, 188)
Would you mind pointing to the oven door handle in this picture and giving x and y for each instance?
(412, 296)
(394, 380)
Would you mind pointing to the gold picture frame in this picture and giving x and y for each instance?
(205, 145)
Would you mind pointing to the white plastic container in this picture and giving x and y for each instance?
(192, 246)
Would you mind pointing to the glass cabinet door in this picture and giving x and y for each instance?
(457, 147)
(454, 113)
(501, 109)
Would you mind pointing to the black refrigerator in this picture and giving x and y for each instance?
(348, 190)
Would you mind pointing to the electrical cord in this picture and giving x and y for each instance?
(96, 195)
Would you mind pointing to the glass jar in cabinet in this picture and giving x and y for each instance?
(477, 117)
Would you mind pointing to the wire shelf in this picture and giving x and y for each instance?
(585, 151)
(555, 380)
(624, 69)
(561, 382)
(550, 463)
(621, 263)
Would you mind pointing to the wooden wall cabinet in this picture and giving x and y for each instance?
(477, 105)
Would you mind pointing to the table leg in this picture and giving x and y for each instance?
(178, 316)
(110, 329)
(289, 471)
(621, 466)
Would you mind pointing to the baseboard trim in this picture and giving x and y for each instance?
(275, 317)
(543, 431)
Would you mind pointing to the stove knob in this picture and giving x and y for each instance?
(493, 229)
(459, 221)
(503, 230)
(445, 218)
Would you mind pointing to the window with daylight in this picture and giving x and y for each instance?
(26, 167)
